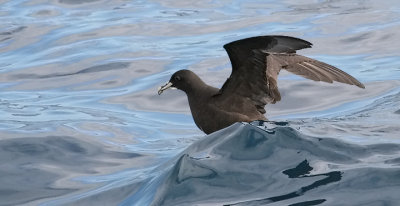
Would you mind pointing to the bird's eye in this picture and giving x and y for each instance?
(177, 78)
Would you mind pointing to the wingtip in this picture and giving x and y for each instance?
(295, 42)
(357, 83)
(308, 44)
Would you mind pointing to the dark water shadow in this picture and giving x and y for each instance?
(98, 68)
(300, 171)
(13, 31)
(43, 161)
(75, 2)
(258, 165)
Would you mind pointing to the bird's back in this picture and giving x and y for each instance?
(212, 111)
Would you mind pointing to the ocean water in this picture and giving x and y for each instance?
(81, 122)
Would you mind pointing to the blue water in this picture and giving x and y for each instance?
(81, 122)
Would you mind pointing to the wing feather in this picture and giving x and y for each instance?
(257, 61)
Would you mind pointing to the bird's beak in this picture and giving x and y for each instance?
(165, 87)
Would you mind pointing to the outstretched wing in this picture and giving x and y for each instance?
(239, 51)
(257, 61)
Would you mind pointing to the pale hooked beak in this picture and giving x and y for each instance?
(165, 87)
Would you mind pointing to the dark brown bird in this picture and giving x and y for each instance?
(256, 63)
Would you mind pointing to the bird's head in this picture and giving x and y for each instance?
(182, 80)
